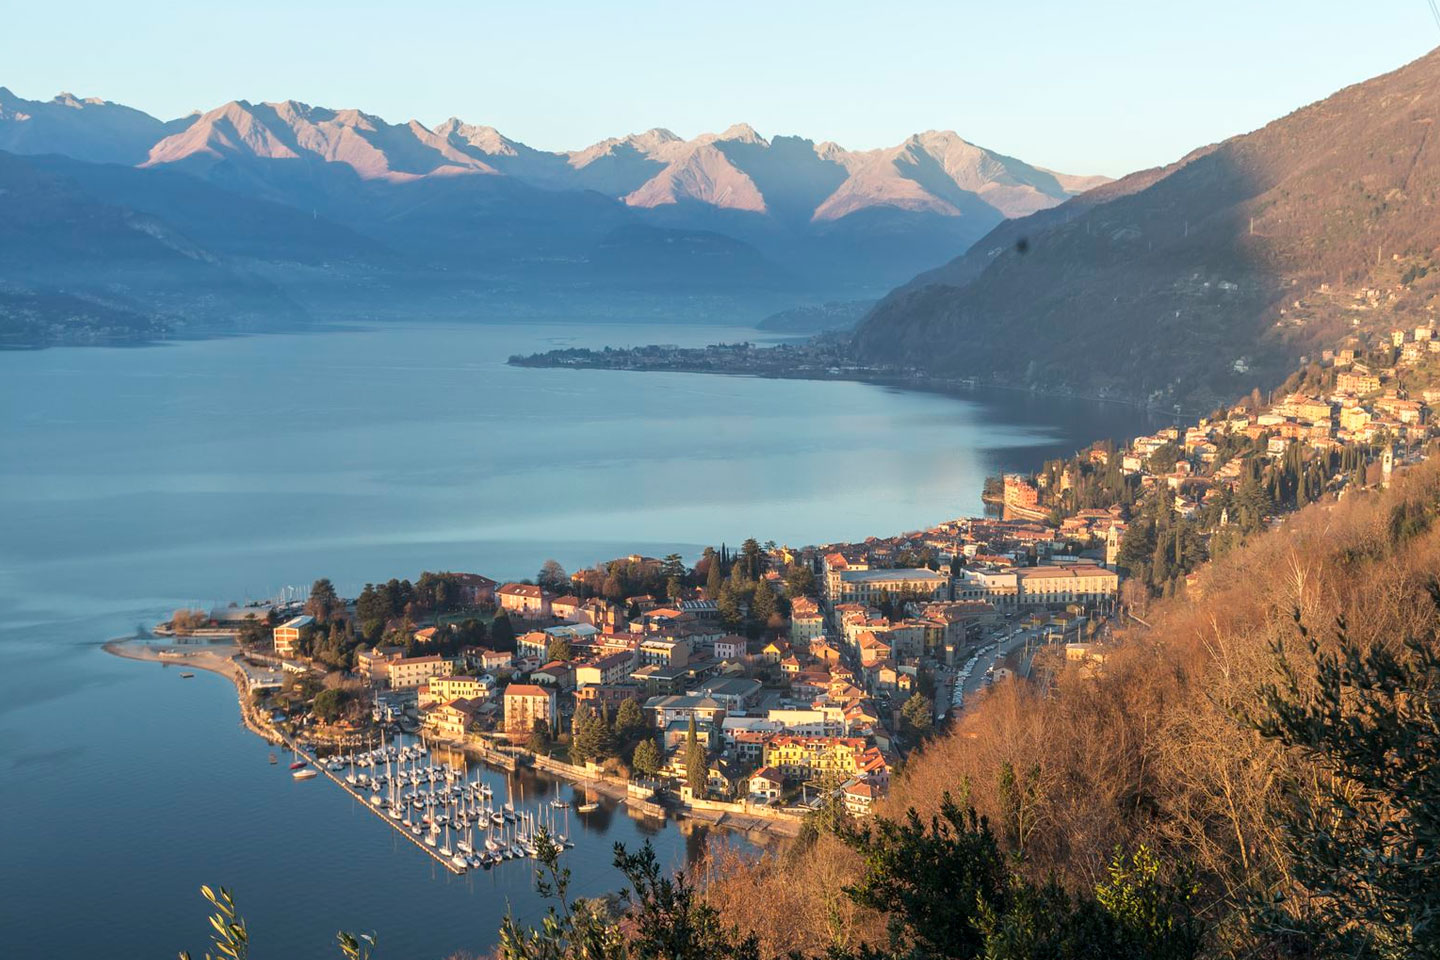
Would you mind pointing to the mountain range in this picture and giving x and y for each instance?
(462, 214)
(1193, 283)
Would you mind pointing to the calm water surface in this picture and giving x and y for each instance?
(136, 481)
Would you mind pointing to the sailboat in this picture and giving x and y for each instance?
(298, 763)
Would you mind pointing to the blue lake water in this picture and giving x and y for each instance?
(135, 481)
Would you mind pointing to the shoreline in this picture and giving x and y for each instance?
(221, 659)
(201, 657)
(918, 382)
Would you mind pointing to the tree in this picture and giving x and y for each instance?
(553, 577)
(1361, 827)
(502, 633)
(539, 739)
(186, 622)
(715, 578)
(918, 712)
(647, 759)
(584, 738)
(323, 602)
(800, 581)
(629, 719)
(672, 567)
(697, 763)
(559, 649)
(329, 704)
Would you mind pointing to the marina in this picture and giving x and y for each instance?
(445, 812)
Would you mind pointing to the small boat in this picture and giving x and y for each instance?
(187, 676)
(299, 764)
(274, 759)
(309, 773)
(590, 807)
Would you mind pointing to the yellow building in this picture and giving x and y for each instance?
(407, 673)
(805, 757)
(287, 636)
(1067, 583)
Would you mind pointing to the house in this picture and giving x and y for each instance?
(556, 674)
(409, 673)
(445, 689)
(767, 784)
(369, 663)
(860, 798)
(806, 621)
(667, 710)
(605, 670)
(526, 600)
(475, 590)
(566, 607)
(483, 658)
(287, 636)
(526, 703)
(730, 647)
(450, 721)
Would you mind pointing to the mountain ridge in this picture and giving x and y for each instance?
(1196, 282)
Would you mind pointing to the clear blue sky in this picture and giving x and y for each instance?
(1086, 87)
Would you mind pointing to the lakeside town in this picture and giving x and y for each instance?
(768, 684)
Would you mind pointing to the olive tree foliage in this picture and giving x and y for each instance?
(230, 938)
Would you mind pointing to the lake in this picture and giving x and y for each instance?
(136, 481)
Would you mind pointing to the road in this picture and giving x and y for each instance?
(995, 649)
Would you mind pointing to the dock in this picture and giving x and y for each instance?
(384, 818)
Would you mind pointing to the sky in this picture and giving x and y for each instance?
(1107, 86)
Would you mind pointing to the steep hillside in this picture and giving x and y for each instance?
(1199, 281)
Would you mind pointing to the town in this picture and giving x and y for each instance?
(775, 683)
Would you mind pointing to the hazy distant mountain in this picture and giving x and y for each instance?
(306, 196)
(935, 172)
(95, 130)
(1198, 281)
(77, 268)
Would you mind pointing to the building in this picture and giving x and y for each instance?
(526, 703)
(860, 798)
(767, 784)
(730, 647)
(370, 663)
(445, 689)
(450, 721)
(1067, 583)
(872, 586)
(605, 670)
(735, 694)
(806, 621)
(803, 758)
(664, 652)
(525, 600)
(680, 708)
(409, 673)
(287, 636)
(1359, 384)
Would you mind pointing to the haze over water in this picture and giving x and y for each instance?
(136, 481)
